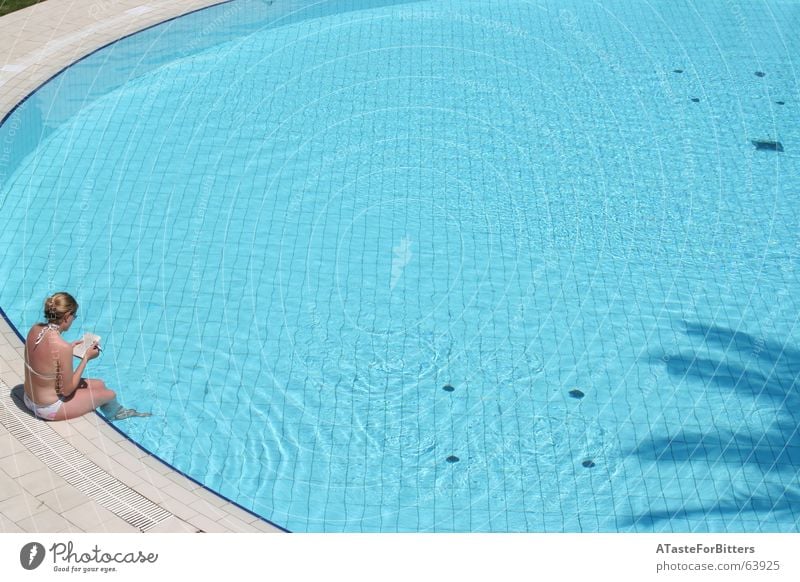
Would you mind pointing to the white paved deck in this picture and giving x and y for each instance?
(36, 43)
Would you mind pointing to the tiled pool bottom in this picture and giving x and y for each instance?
(597, 250)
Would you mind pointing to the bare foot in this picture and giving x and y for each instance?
(124, 413)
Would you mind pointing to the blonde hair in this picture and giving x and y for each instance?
(58, 306)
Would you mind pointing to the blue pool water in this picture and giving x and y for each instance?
(296, 224)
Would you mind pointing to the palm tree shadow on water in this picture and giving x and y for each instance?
(760, 369)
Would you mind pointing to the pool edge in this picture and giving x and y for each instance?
(10, 355)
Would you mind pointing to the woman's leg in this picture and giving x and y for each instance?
(85, 399)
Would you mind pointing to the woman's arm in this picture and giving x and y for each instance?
(67, 379)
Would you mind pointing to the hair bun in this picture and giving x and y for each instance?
(58, 306)
(49, 307)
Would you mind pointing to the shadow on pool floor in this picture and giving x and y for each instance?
(776, 450)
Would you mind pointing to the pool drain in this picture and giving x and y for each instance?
(767, 144)
(452, 459)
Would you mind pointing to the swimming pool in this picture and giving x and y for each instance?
(436, 266)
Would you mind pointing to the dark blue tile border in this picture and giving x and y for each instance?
(11, 325)
(98, 49)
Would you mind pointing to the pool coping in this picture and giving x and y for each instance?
(33, 496)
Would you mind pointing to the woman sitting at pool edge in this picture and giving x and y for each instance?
(53, 390)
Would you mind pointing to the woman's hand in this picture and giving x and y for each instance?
(76, 343)
(91, 352)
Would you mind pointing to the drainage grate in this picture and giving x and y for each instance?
(80, 472)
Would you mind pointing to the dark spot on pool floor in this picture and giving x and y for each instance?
(781, 102)
(452, 459)
(767, 144)
(576, 393)
(447, 388)
(677, 70)
(760, 74)
(588, 463)
(696, 100)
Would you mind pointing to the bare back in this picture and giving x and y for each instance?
(45, 353)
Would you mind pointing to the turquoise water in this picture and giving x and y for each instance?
(294, 227)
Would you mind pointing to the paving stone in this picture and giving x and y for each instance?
(89, 516)
(173, 525)
(8, 487)
(40, 481)
(44, 522)
(20, 464)
(63, 498)
(21, 507)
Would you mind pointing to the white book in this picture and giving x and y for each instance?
(89, 339)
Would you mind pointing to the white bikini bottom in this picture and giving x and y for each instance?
(47, 412)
